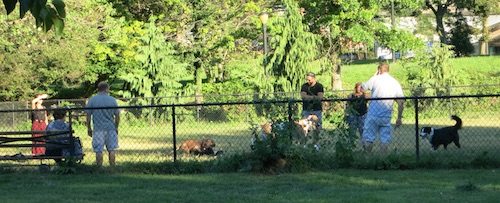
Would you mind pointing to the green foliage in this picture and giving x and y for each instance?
(46, 15)
(43, 62)
(277, 152)
(398, 39)
(431, 74)
(342, 26)
(346, 141)
(294, 48)
(482, 8)
(46, 72)
(114, 54)
(403, 8)
(160, 72)
(460, 36)
(69, 165)
(156, 78)
(431, 70)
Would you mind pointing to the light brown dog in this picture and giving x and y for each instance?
(198, 147)
(300, 128)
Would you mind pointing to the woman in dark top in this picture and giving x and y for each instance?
(39, 121)
(355, 111)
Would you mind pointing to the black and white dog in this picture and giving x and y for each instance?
(442, 136)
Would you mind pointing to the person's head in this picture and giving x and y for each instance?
(383, 68)
(59, 114)
(357, 87)
(311, 78)
(103, 87)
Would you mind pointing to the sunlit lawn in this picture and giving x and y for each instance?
(154, 144)
(328, 186)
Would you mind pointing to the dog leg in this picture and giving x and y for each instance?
(456, 143)
(435, 147)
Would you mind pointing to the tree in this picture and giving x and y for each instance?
(160, 73)
(342, 25)
(294, 49)
(46, 15)
(205, 33)
(441, 9)
(460, 36)
(432, 69)
(114, 52)
(34, 61)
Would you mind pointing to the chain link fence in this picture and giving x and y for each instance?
(150, 131)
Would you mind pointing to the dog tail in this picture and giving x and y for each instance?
(458, 125)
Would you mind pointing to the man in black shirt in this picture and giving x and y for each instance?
(312, 95)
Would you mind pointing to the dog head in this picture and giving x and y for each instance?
(427, 132)
(207, 143)
(266, 128)
(308, 123)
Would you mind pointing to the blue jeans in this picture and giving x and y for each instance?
(356, 124)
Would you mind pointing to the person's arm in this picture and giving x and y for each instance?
(304, 95)
(89, 128)
(320, 95)
(34, 101)
(399, 121)
(46, 120)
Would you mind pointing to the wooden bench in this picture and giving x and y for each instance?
(24, 139)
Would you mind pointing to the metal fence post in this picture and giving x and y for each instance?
(448, 89)
(173, 134)
(417, 143)
(71, 135)
(151, 124)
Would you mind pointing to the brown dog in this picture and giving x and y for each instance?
(198, 147)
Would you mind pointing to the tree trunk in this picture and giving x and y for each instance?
(198, 87)
(336, 80)
(440, 26)
(440, 10)
(486, 36)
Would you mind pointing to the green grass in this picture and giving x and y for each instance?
(480, 70)
(154, 144)
(328, 186)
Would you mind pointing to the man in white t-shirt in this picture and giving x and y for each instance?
(379, 115)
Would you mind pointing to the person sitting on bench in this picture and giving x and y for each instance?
(55, 143)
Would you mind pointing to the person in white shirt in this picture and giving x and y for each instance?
(378, 120)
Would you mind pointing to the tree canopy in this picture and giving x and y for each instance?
(47, 15)
(161, 48)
